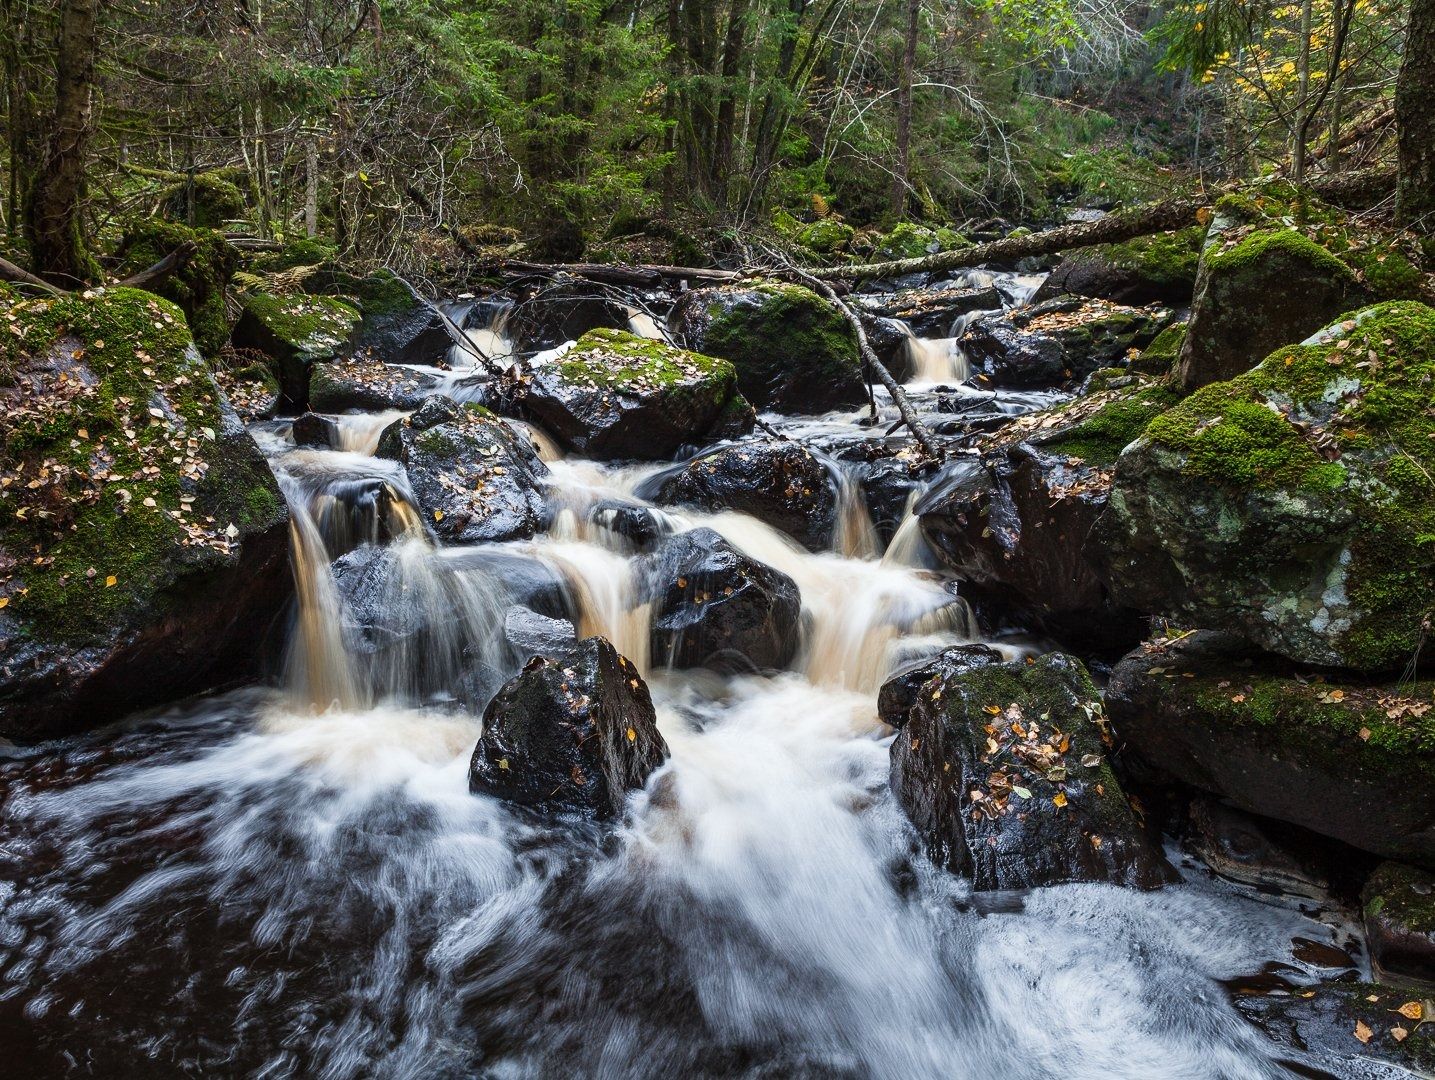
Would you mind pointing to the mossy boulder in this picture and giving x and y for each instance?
(1294, 504)
(475, 478)
(793, 351)
(908, 240)
(1161, 356)
(778, 482)
(1398, 903)
(295, 332)
(198, 286)
(1344, 758)
(1002, 769)
(1157, 269)
(207, 200)
(362, 384)
(826, 237)
(399, 326)
(1058, 341)
(142, 536)
(615, 395)
(574, 732)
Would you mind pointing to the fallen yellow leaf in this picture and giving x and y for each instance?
(1398, 1034)
(632, 735)
(1059, 799)
(111, 581)
(1363, 1032)
(438, 515)
(1412, 1010)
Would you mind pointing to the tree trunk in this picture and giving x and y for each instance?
(1415, 119)
(903, 171)
(57, 197)
(311, 187)
(1298, 136)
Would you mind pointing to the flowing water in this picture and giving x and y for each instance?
(296, 881)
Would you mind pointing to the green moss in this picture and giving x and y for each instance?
(616, 359)
(197, 287)
(792, 328)
(826, 236)
(86, 451)
(1403, 894)
(909, 241)
(1262, 247)
(295, 253)
(376, 295)
(1100, 438)
(214, 197)
(1159, 358)
(309, 324)
(1168, 260)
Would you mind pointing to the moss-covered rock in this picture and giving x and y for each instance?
(1295, 503)
(399, 326)
(1344, 758)
(198, 286)
(362, 384)
(1160, 357)
(1398, 903)
(296, 332)
(793, 351)
(142, 535)
(474, 477)
(911, 241)
(1057, 341)
(208, 200)
(615, 395)
(826, 237)
(1149, 269)
(1002, 769)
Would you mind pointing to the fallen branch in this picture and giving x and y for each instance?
(454, 331)
(153, 275)
(616, 273)
(10, 272)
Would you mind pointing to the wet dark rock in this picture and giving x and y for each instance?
(618, 396)
(642, 526)
(792, 350)
(1254, 851)
(1399, 906)
(931, 313)
(313, 431)
(1321, 1025)
(1020, 522)
(777, 481)
(888, 339)
(888, 483)
(475, 478)
(574, 731)
(363, 384)
(399, 326)
(530, 634)
(1288, 505)
(1057, 341)
(1002, 769)
(1211, 712)
(127, 578)
(1159, 269)
(563, 308)
(296, 333)
(713, 607)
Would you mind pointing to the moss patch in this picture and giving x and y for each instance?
(1100, 437)
(620, 361)
(198, 287)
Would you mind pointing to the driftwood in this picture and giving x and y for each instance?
(639, 276)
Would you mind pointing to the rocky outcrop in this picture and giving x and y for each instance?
(475, 478)
(715, 608)
(777, 481)
(792, 350)
(198, 286)
(295, 333)
(1344, 759)
(574, 731)
(1158, 269)
(1002, 769)
(1399, 907)
(1057, 341)
(1290, 504)
(615, 396)
(143, 539)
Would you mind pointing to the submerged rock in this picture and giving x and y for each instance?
(143, 539)
(777, 481)
(1255, 851)
(574, 731)
(1399, 907)
(1057, 341)
(792, 350)
(1328, 756)
(615, 395)
(713, 607)
(1002, 769)
(1293, 504)
(296, 332)
(476, 479)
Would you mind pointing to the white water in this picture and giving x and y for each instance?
(297, 883)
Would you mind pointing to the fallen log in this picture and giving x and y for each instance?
(639, 276)
(10, 272)
(153, 275)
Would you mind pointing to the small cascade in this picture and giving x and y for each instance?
(855, 536)
(937, 360)
(603, 592)
(909, 547)
(491, 339)
(358, 433)
(644, 325)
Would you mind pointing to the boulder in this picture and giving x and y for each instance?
(931, 313)
(562, 308)
(908, 240)
(1002, 769)
(1348, 760)
(312, 431)
(777, 481)
(574, 731)
(198, 286)
(1057, 341)
(1157, 269)
(1263, 854)
(1399, 907)
(714, 607)
(399, 326)
(615, 396)
(1259, 287)
(888, 339)
(143, 539)
(792, 350)
(826, 237)
(475, 478)
(295, 333)
(641, 526)
(362, 384)
(530, 634)
(1293, 504)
